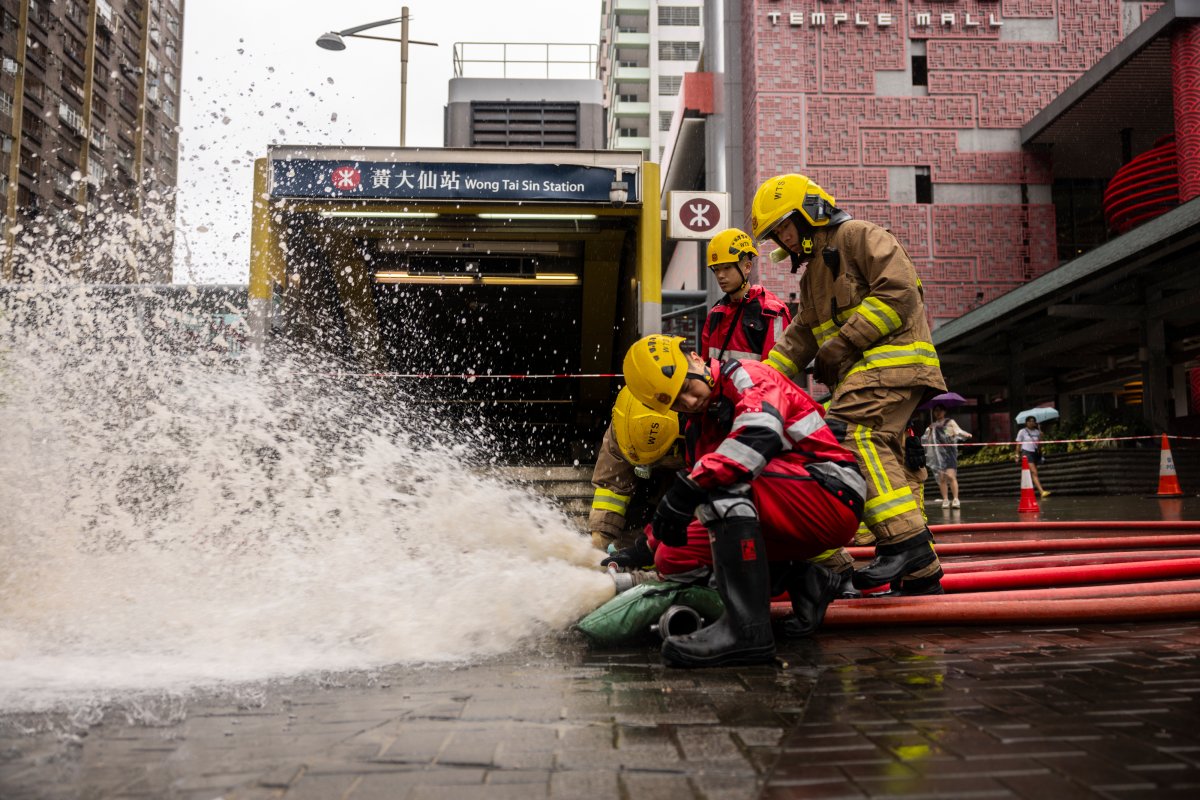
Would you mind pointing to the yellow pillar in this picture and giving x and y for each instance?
(650, 253)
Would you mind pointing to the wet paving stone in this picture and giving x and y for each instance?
(1107, 711)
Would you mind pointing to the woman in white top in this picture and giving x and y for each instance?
(1029, 441)
(941, 455)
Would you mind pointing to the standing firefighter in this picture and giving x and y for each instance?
(748, 320)
(862, 317)
(766, 478)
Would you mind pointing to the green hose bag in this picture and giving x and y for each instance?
(627, 617)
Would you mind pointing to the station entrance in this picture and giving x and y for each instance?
(506, 309)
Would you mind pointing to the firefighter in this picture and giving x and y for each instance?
(640, 452)
(862, 317)
(767, 479)
(745, 323)
(748, 320)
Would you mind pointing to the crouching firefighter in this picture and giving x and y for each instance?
(767, 479)
(639, 455)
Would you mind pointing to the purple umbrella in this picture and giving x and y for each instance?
(947, 399)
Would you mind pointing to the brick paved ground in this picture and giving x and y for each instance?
(1108, 711)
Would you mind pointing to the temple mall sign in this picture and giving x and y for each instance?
(922, 19)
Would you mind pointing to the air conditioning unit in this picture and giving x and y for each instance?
(9, 66)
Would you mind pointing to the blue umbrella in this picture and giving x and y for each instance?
(1040, 414)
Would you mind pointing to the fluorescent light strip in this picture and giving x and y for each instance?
(544, 279)
(538, 216)
(378, 215)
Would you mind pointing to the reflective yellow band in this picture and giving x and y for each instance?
(828, 554)
(825, 331)
(889, 356)
(893, 504)
(868, 457)
(782, 363)
(880, 314)
(605, 500)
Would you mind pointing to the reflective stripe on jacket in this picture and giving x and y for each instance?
(874, 298)
(758, 417)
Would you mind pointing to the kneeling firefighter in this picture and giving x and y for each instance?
(767, 479)
(639, 455)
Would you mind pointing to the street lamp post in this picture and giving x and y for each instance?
(333, 41)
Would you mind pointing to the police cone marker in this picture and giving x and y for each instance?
(1029, 501)
(1168, 481)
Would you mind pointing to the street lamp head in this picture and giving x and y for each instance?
(331, 41)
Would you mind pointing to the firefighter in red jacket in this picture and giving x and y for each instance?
(768, 480)
(745, 323)
(748, 320)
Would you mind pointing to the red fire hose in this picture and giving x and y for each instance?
(1065, 560)
(1023, 612)
(971, 611)
(1073, 525)
(1070, 576)
(1050, 545)
(1053, 593)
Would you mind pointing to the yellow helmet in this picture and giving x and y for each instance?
(655, 368)
(643, 435)
(729, 246)
(780, 197)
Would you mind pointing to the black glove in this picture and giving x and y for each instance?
(634, 557)
(676, 509)
(832, 356)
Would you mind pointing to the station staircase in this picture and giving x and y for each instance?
(1132, 471)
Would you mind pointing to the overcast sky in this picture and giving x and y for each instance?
(253, 76)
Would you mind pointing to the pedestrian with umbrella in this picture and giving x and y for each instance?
(941, 453)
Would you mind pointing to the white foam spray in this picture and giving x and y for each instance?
(173, 519)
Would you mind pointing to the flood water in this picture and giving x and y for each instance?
(174, 518)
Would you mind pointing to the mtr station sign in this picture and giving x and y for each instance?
(391, 180)
(829, 15)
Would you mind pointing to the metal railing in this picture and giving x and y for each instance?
(525, 60)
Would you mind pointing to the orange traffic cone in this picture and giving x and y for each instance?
(1029, 501)
(1168, 481)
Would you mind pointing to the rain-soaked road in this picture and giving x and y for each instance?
(1102, 710)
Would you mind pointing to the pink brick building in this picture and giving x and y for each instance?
(908, 112)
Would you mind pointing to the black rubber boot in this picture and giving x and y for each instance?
(743, 634)
(846, 588)
(812, 588)
(893, 560)
(912, 587)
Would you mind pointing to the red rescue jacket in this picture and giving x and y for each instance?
(760, 317)
(759, 418)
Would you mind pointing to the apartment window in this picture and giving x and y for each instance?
(6, 103)
(168, 108)
(72, 47)
(627, 132)
(679, 15)
(668, 85)
(664, 120)
(173, 24)
(679, 51)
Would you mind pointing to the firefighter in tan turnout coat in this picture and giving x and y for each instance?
(862, 317)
